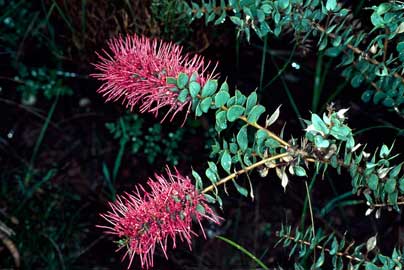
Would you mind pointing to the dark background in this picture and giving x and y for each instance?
(51, 200)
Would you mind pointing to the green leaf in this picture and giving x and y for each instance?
(209, 198)
(378, 97)
(194, 76)
(299, 171)
(200, 209)
(251, 101)
(211, 175)
(373, 181)
(198, 180)
(255, 113)
(198, 111)
(210, 18)
(171, 80)
(242, 138)
(209, 88)
(357, 80)
(283, 4)
(221, 98)
(384, 151)
(221, 121)
(225, 161)
(182, 80)
(243, 191)
(388, 102)
(182, 96)
(400, 46)
(318, 124)
(367, 95)
(333, 51)
(334, 247)
(396, 170)
(236, 20)
(221, 19)
(194, 89)
(390, 185)
(323, 43)
(331, 5)
(340, 132)
(224, 87)
(205, 104)
(321, 142)
(402, 184)
(383, 8)
(320, 260)
(371, 266)
(234, 112)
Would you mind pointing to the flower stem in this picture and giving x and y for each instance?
(257, 126)
(246, 169)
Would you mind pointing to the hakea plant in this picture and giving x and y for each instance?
(328, 142)
(149, 218)
(139, 70)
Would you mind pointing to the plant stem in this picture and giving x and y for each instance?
(254, 124)
(289, 94)
(264, 53)
(281, 70)
(358, 51)
(306, 201)
(257, 126)
(341, 254)
(317, 83)
(38, 143)
(246, 169)
(244, 251)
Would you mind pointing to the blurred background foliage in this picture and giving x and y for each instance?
(64, 153)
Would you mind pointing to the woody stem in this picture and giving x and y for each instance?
(246, 169)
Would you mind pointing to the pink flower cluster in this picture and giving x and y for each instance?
(147, 219)
(136, 72)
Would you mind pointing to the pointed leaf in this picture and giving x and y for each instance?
(225, 161)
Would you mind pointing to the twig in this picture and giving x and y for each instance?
(341, 254)
(246, 169)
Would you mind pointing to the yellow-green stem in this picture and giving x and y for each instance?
(257, 126)
(246, 169)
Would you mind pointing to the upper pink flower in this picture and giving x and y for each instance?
(137, 69)
(148, 218)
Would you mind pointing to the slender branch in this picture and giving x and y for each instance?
(322, 29)
(341, 254)
(257, 126)
(359, 51)
(246, 169)
(387, 204)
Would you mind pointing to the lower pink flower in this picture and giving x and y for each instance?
(147, 219)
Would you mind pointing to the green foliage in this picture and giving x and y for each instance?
(336, 34)
(376, 177)
(339, 252)
(169, 15)
(47, 82)
(43, 236)
(328, 142)
(150, 142)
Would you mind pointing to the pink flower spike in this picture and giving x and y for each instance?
(136, 71)
(165, 211)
